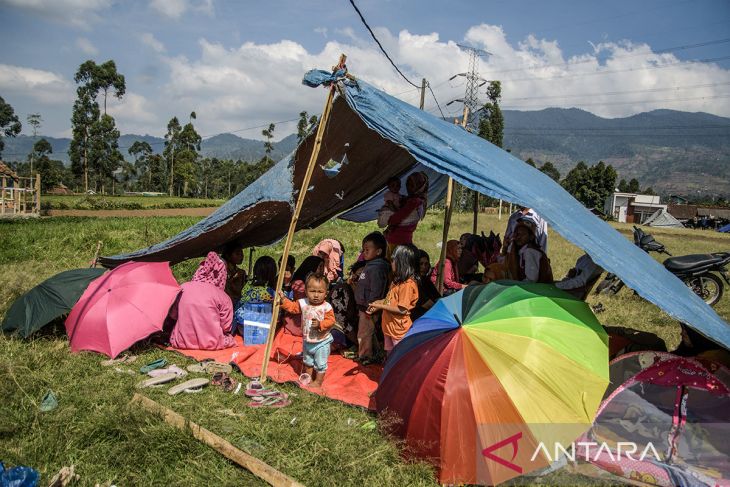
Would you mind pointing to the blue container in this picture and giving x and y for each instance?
(256, 322)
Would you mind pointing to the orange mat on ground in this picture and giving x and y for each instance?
(346, 380)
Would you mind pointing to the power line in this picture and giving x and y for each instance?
(436, 100)
(380, 45)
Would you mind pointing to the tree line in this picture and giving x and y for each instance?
(97, 161)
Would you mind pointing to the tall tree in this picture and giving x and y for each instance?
(590, 185)
(104, 155)
(101, 77)
(182, 147)
(269, 135)
(552, 171)
(172, 142)
(304, 126)
(530, 162)
(10, 126)
(141, 151)
(633, 186)
(85, 114)
(623, 187)
(34, 120)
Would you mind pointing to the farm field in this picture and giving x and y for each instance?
(315, 440)
(107, 202)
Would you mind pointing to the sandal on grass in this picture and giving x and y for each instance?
(156, 364)
(210, 367)
(174, 369)
(225, 381)
(270, 402)
(262, 392)
(124, 359)
(188, 384)
(157, 380)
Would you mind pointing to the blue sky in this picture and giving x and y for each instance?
(238, 64)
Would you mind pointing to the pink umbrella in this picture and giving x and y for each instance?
(122, 307)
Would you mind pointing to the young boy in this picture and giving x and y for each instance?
(371, 286)
(317, 320)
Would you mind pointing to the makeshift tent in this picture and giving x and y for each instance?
(679, 406)
(725, 229)
(505, 360)
(49, 300)
(662, 218)
(383, 137)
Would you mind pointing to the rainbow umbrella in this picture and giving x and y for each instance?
(494, 379)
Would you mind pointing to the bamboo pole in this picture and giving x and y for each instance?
(293, 225)
(423, 93)
(38, 194)
(447, 218)
(257, 467)
(476, 213)
(2, 196)
(500, 209)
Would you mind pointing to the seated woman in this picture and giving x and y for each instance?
(402, 224)
(204, 311)
(333, 253)
(232, 255)
(451, 269)
(311, 265)
(257, 297)
(526, 261)
(342, 299)
(427, 292)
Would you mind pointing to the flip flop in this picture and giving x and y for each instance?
(124, 359)
(210, 367)
(156, 364)
(225, 381)
(157, 380)
(171, 369)
(262, 393)
(270, 402)
(188, 384)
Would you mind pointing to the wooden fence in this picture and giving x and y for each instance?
(20, 196)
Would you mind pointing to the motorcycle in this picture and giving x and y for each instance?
(697, 271)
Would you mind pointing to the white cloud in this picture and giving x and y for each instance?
(232, 88)
(321, 30)
(38, 85)
(86, 46)
(134, 114)
(150, 40)
(78, 13)
(175, 9)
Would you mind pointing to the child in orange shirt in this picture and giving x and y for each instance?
(317, 320)
(401, 298)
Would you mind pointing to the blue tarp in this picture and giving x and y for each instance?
(725, 229)
(382, 137)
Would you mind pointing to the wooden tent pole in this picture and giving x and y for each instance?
(293, 225)
(476, 213)
(447, 218)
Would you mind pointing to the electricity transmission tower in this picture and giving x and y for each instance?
(473, 83)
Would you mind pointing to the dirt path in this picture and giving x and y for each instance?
(128, 213)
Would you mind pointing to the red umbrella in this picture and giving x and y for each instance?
(122, 307)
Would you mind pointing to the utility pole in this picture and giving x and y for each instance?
(423, 93)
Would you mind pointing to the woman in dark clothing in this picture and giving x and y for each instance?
(427, 292)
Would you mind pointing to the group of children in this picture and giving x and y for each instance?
(369, 279)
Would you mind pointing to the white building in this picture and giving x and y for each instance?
(632, 207)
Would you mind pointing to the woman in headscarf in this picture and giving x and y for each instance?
(332, 252)
(204, 312)
(311, 265)
(451, 269)
(526, 261)
(403, 222)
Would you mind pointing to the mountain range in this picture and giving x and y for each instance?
(674, 152)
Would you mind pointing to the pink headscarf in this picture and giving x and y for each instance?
(331, 251)
(212, 270)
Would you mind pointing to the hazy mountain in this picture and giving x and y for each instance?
(675, 152)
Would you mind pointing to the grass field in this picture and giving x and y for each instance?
(315, 440)
(106, 202)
